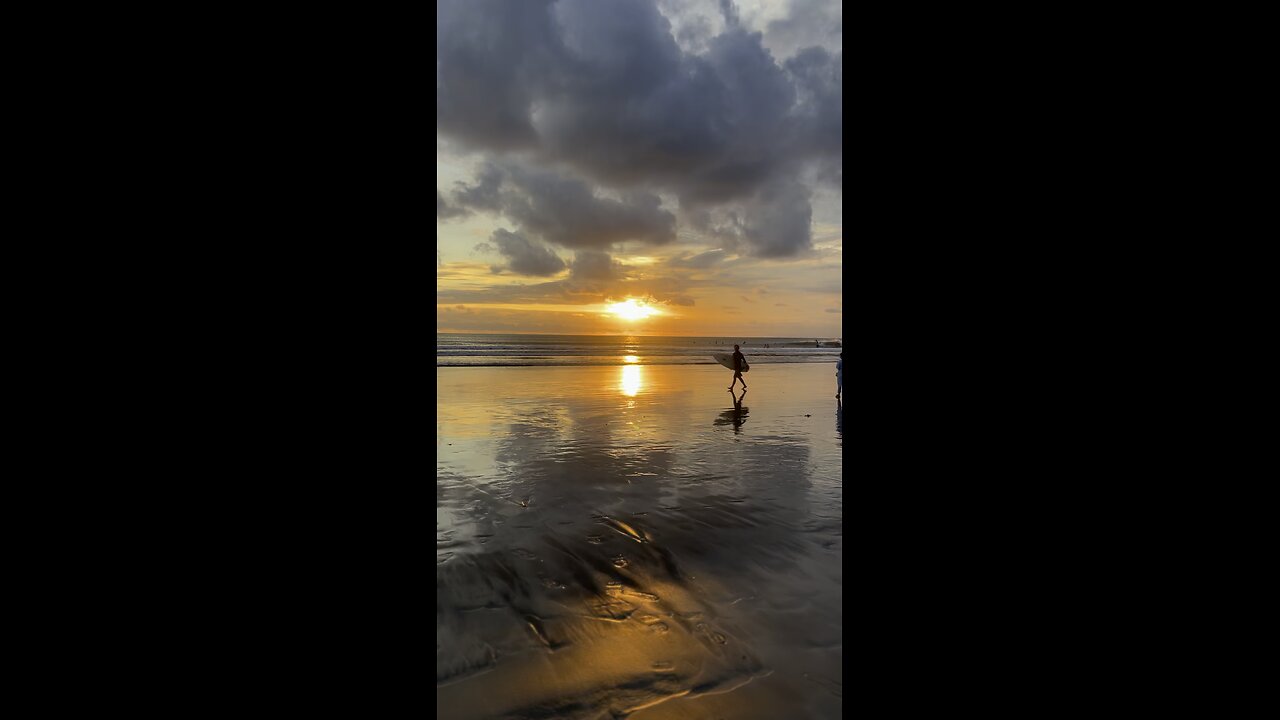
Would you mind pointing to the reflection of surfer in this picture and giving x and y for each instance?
(738, 362)
(737, 416)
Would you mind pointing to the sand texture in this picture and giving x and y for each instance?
(629, 540)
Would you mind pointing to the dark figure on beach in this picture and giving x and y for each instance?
(737, 369)
(839, 417)
(839, 379)
(735, 417)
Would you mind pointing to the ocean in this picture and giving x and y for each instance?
(474, 350)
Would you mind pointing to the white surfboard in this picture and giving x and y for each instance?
(726, 359)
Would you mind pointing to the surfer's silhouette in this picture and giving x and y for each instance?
(839, 418)
(839, 379)
(737, 416)
(738, 361)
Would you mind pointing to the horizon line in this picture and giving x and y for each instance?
(727, 335)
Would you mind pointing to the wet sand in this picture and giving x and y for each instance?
(627, 539)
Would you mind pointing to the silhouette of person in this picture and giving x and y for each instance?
(738, 362)
(839, 380)
(839, 417)
(737, 416)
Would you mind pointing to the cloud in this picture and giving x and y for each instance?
(444, 211)
(700, 261)
(618, 95)
(777, 222)
(483, 195)
(693, 22)
(564, 210)
(665, 289)
(819, 116)
(488, 59)
(523, 256)
(592, 265)
(730, 12)
(808, 23)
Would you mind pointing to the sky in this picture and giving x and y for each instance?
(650, 167)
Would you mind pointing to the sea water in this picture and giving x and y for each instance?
(475, 350)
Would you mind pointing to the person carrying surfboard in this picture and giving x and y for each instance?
(738, 362)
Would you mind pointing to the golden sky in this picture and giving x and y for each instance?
(640, 167)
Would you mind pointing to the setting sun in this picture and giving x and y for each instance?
(631, 310)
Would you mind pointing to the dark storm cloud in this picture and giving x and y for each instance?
(564, 210)
(489, 60)
(445, 211)
(523, 256)
(777, 223)
(592, 265)
(484, 194)
(819, 77)
(710, 127)
(604, 88)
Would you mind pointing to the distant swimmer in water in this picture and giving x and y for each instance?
(738, 362)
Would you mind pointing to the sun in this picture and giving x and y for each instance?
(631, 310)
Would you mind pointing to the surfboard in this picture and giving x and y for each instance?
(726, 359)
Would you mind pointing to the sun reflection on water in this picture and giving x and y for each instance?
(631, 380)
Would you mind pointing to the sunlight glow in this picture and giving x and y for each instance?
(631, 358)
(630, 384)
(632, 310)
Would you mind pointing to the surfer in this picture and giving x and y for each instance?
(738, 361)
(839, 367)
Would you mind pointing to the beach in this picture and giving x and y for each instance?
(629, 539)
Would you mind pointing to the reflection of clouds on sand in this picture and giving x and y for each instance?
(654, 561)
(601, 594)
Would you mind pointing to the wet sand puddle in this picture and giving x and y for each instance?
(567, 631)
(601, 556)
